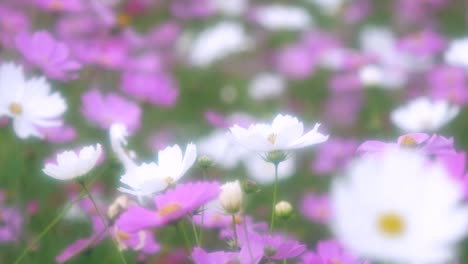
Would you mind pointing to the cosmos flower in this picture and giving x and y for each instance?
(285, 133)
(266, 85)
(174, 204)
(51, 56)
(29, 103)
(231, 197)
(457, 53)
(71, 164)
(104, 110)
(423, 115)
(410, 208)
(329, 251)
(11, 222)
(282, 17)
(316, 208)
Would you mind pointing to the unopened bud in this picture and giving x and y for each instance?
(250, 186)
(283, 210)
(119, 205)
(231, 197)
(276, 156)
(205, 162)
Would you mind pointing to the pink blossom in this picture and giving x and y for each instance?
(333, 155)
(424, 43)
(316, 208)
(60, 5)
(11, 22)
(329, 251)
(50, 55)
(296, 62)
(59, 135)
(103, 110)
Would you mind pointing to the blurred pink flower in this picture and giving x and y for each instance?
(60, 5)
(329, 251)
(12, 21)
(423, 43)
(190, 9)
(50, 55)
(58, 135)
(103, 110)
(296, 62)
(333, 155)
(316, 208)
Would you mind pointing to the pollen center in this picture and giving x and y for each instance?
(391, 224)
(16, 109)
(408, 142)
(122, 235)
(170, 208)
(169, 180)
(123, 20)
(272, 138)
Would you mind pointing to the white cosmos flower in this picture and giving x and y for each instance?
(285, 133)
(266, 85)
(71, 164)
(423, 114)
(264, 172)
(399, 207)
(221, 147)
(149, 178)
(217, 42)
(283, 17)
(457, 53)
(29, 103)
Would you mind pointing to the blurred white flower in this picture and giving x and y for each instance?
(283, 17)
(285, 133)
(231, 197)
(217, 42)
(399, 207)
(71, 164)
(231, 7)
(266, 85)
(423, 114)
(29, 103)
(221, 147)
(457, 53)
(264, 172)
(377, 75)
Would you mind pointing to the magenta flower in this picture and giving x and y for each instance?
(103, 110)
(51, 56)
(11, 222)
(296, 62)
(189, 9)
(424, 43)
(60, 5)
(278, 247)
(58, 135)
(157, 88)
(329, 251)
(108, 54)
(219, 257)
(333, 155)
(11, 22)
(316, 208)
(139, 241)
(174, 204)
(448, 83)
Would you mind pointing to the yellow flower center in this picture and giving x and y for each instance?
(335, 261)
(272, 138)
(122, 235)
(170, 208)
(408, 142)
(169, 180)
(123, 20)
(16, 109)
(56, 5)
(391, 224)
(237, 220)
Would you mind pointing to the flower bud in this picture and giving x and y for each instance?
(276, 156)
(231, 197)
(250, 186)
(205, 162)
(119, 205)
(283, 210)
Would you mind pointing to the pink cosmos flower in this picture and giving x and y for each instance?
(316, 208)
(11, 222)
(50, 55)
(424, 43)
(329, 251)
(109, 54)
(11, 22)
(165, 35)
(448, 83)
(60, 5)
(296, 62)
(58, 135)
(333, 155)
(157, 88)
(189, 9)
(200, 256)
(277, 247)
(139, 241)
(174, 204)
(103, 110)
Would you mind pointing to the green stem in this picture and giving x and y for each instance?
(272, 220)
(247, 240)
(235, 231)
(47, 229)
(103, 219)
(181, 229)
(195, 233)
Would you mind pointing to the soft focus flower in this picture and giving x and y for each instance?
(457, 53)
(285, 133)
(58, 135)
(333, 155)
(278, 247)
(28, 102)
(71, 164)
(410, 209)
(283, 210)
(51, 56)
(231, 197)
(201, 257)
(423, 114)
(283, 17)
(60, 5)
(329, 251)
(104, 110)
(221, 147)
(175, 203)
(316, 208)
(11, 222)
(266, 86)
(217, 42)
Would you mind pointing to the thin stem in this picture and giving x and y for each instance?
(235, 231)
(272, 220)
(181, 229)
(195, 233)
(103, 219)
(247, 240)
(47, 229)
